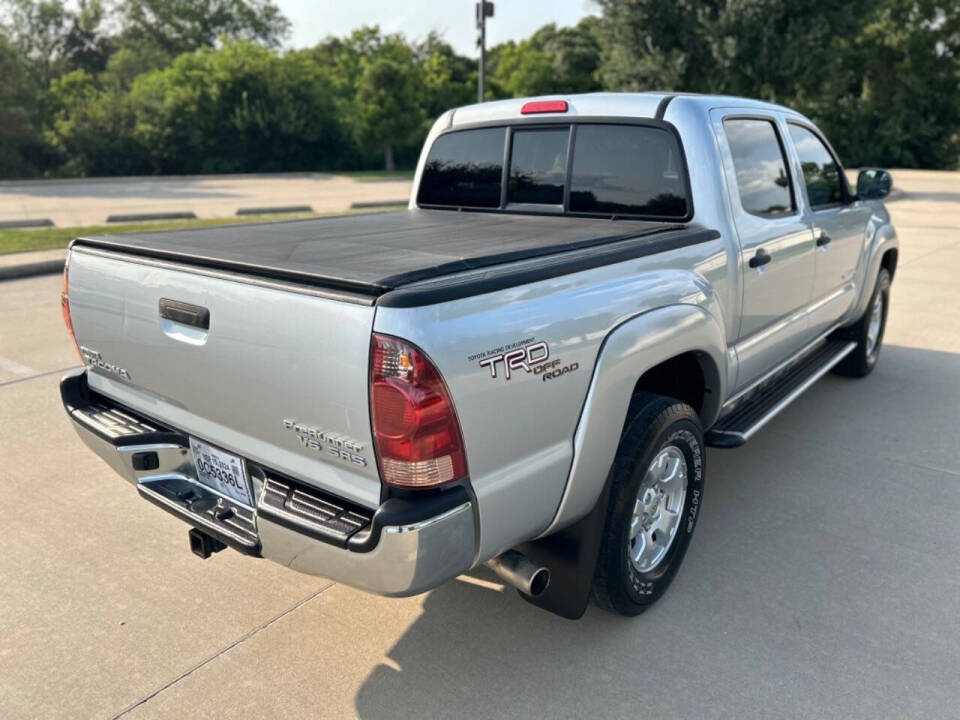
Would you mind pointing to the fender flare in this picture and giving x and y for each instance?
(884, 239)
(627, 352)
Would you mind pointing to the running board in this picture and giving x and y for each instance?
(766, 402)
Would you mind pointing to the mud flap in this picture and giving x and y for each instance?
(571, 554)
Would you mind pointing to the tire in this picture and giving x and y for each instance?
(658, 429)
(861, 361)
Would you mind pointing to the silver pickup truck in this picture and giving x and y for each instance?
(523, 369)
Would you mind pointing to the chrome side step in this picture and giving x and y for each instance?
(766, 402)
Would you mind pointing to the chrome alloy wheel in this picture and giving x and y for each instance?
(873, 329)
(656, 511)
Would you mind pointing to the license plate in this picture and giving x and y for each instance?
(221, 471)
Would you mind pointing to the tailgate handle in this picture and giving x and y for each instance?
(185, 313)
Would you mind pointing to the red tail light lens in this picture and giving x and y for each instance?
(65, 310)
(415, 424)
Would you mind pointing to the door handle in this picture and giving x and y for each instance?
(823, 240)
(185, 313)
(761, 258)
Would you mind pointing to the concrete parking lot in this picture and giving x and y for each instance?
(75, 203)
(823, 581)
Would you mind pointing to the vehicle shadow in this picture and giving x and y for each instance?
(766, 616)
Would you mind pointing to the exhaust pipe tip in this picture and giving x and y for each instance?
(519, 571)
(539, 582)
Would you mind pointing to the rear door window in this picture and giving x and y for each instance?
(464, 169)
(627, 170)
(821, 171)
(760, 165)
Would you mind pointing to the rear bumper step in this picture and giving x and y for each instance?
(405, 547)
(768, 400)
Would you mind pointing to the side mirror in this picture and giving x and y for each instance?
(873, 184)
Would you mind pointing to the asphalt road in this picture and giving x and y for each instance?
(75, 203)
(823, 581)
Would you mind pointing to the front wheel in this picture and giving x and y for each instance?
(867, 332)
(655, 496)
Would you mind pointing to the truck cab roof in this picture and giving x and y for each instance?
(603, 104)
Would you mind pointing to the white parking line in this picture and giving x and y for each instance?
(16, 368)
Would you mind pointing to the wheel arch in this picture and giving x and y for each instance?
(648, 352)
(889, 260)
(884, 253)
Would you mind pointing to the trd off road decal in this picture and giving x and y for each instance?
(531, 356)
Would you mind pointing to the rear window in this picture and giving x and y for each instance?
(538, 166)
(627, 170)
(615, 170)
(464, 169)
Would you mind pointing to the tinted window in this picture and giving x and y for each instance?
(628, 170)
(821, 174)
(760, 167)
(538, 166)
(464, 169)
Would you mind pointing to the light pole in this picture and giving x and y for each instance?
(484, 10)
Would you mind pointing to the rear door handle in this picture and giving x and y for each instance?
(761, 258)
(185, 313)
(823, 240)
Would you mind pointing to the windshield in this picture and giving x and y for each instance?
(594, 169)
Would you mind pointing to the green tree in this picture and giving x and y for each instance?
(387, 108)
(178, 26)
(880, 76)
(53, 37)
(93, 128)
(449, 80)
(239, 108)
(552, 60)
(19, 142)
(895, 101)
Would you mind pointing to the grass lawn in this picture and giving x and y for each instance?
(12, 241)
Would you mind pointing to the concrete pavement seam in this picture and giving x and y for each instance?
(207, 661)
(38, 375)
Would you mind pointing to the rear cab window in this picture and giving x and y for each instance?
(581, 168)
(464, 169)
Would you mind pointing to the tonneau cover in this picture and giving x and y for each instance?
(374, 253)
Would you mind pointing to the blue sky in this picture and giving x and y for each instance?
(454, 19)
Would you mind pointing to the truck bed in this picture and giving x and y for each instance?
(375, 253)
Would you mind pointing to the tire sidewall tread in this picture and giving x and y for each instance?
(653, 423)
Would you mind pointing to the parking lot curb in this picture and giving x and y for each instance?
(44, 267)
(377, 204)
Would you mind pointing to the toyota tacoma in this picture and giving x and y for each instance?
(523, 369)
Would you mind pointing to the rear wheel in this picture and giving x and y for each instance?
(656, 491)
(867, 332)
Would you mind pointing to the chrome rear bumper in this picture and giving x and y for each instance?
(403, 548)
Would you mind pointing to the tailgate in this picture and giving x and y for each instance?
(279, 376)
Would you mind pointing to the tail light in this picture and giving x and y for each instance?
(415, 425)
(535, 107)
(65, 309)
